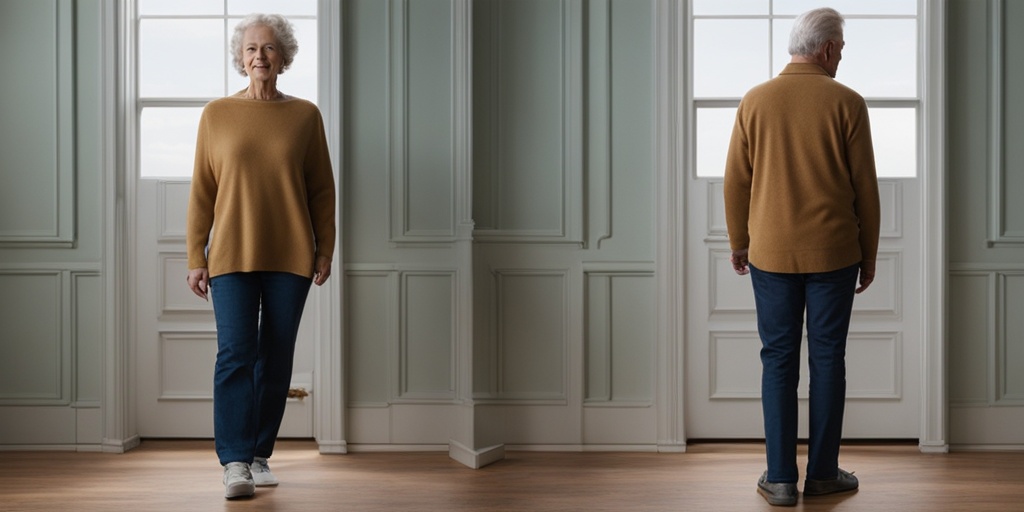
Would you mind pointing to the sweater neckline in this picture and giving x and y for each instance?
(802, 68)
(283, 99)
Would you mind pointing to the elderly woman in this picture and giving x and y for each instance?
(260, 230)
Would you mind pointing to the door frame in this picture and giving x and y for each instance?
(119, 408)
(673, 151)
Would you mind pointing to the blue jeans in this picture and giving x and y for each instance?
(781, 300)
(258, 317)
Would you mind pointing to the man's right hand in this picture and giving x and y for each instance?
(739, 262)
(199, 281)
(867, 275)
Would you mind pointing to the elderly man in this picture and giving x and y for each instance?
(802, 209)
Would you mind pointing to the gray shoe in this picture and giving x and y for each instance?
(843, 483)
(776, 494)
(261, 474)
(238, 481)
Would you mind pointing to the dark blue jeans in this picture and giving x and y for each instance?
(781, 301)
(258, 317)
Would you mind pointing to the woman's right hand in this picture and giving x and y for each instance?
(199, 281)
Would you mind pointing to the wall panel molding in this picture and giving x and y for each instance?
(36, 344)
(37, 202)
(890, 192)
(371, 334)
(735, 367)
(600, 207)
(716, 228)
(180, 378)
(879, 358)
(515, 150)
(427, 350)
(402, 335)
(872, 303)
(986, 338)
(875, 304)
(1000, 232)
(172, 197)
(86, 330)
(615, 342)
(1009, 370)
(175, 298)
(972, 338)
(891, 195)
(532, 329)
(421, 155)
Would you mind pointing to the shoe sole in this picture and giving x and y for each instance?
(832, 491)
(778, 502)
(239, 491)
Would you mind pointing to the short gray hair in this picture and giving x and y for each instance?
(283, 32)
(813, 28)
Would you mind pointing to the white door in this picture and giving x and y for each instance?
(722, 347)
(176, 333)
(723, 367)
(174, 330)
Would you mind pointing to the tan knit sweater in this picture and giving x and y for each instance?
(800, 186)
(263, 184)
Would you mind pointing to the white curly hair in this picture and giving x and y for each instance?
(284, 32)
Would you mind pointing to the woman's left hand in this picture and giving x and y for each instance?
(321, 270)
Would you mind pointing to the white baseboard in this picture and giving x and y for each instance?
(475, 459)
(332, 447)
(986, 447)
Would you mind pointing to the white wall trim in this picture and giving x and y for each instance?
(986, 448)
(119, 424)
(599, 213)
(475, 459)
(462, 106)
(670, 85)
(934, 407)
(329, 376)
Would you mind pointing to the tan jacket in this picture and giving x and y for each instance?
(800, 186)
(263, 183)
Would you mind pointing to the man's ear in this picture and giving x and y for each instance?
(828, 49)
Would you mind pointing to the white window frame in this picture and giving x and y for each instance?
(142, 103)
(874, 102)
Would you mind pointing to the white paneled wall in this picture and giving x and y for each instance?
(986, 282)
(52, 310)
(498, 239)
(560, 289)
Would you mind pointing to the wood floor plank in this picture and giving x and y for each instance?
(185, 476)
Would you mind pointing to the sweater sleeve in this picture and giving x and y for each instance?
(202, 198)
(320, 190)
(739, 173)
(861, 159)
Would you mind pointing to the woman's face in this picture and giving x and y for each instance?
(261, 55)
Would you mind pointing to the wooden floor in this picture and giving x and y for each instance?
(184, 476)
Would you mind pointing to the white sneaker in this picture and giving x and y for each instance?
(238, 481)
(261, 474)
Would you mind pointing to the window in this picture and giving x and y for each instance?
(741, 43)
(183, 63)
